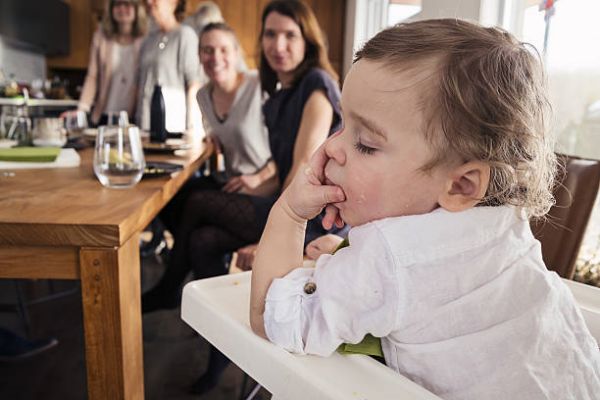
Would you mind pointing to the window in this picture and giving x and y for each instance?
(400, 10)
(572, 61)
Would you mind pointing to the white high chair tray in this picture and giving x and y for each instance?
(217, 309)
(588, 299)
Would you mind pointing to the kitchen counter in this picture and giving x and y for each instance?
(37, 102)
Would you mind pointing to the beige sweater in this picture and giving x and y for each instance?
(94, 94)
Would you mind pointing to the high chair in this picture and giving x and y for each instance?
(217, 308)
(562, 233)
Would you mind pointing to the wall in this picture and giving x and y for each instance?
(466, 9)
(19, 61)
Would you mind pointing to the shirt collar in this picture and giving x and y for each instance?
(440, 233)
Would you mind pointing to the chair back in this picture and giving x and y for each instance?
(561, 234)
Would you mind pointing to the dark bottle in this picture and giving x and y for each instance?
(158, 131)
(215, 166)
(219, 174)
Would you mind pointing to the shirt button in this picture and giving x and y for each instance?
(310, 287)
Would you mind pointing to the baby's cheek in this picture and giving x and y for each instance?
(364, 188)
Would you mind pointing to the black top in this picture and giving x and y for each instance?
(283, 114)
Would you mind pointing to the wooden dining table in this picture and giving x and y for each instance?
(63, 224)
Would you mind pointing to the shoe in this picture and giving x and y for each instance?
(157, 242)
(156, 299)
(152, 248)
(16, 348)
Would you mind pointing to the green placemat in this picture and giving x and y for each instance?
(30, 154)
(370, 345)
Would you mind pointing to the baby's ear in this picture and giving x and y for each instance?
(466, 186)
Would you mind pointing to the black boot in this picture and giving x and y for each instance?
(166, 295)
(217, 362)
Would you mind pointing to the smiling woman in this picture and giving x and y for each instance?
(231, 110)
(111, 81)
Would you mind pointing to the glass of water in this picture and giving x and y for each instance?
(119, 156)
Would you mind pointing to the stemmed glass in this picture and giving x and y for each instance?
(118, 156)
(117, 118)
(75, 123)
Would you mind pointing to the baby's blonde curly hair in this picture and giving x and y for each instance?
(488, 103)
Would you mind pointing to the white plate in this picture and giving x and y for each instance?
(7, 143)
(91, 133)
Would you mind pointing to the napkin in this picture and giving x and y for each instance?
(68, 158)
(370, 345)
(29, 154)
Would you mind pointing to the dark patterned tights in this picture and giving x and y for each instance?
(211, 224)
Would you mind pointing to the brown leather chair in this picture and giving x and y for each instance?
(561, 234)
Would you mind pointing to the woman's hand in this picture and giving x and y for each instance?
(325, 244)
(245, 257)
(262, 183)
(215, 142)
(242, 183)
(71, 113)
(308, 193)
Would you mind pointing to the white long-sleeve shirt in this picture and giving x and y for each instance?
(462, 301)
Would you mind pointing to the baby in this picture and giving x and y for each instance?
(442, 160)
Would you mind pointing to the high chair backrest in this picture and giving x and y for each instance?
(562, 233)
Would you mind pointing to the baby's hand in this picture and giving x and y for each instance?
(325, 244)
(307, 194)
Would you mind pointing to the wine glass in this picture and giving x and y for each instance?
(75, 123)
(117, 118)
(20, 131)
(118, 156)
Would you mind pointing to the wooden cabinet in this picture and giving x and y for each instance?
(82, 24)
(242, 15)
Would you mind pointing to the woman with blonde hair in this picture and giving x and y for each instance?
(111, 81)
(207, 12)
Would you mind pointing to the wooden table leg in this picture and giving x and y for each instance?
(110, 289)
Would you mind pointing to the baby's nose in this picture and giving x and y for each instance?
(334, 148)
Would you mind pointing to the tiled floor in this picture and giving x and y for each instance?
(174, 355)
